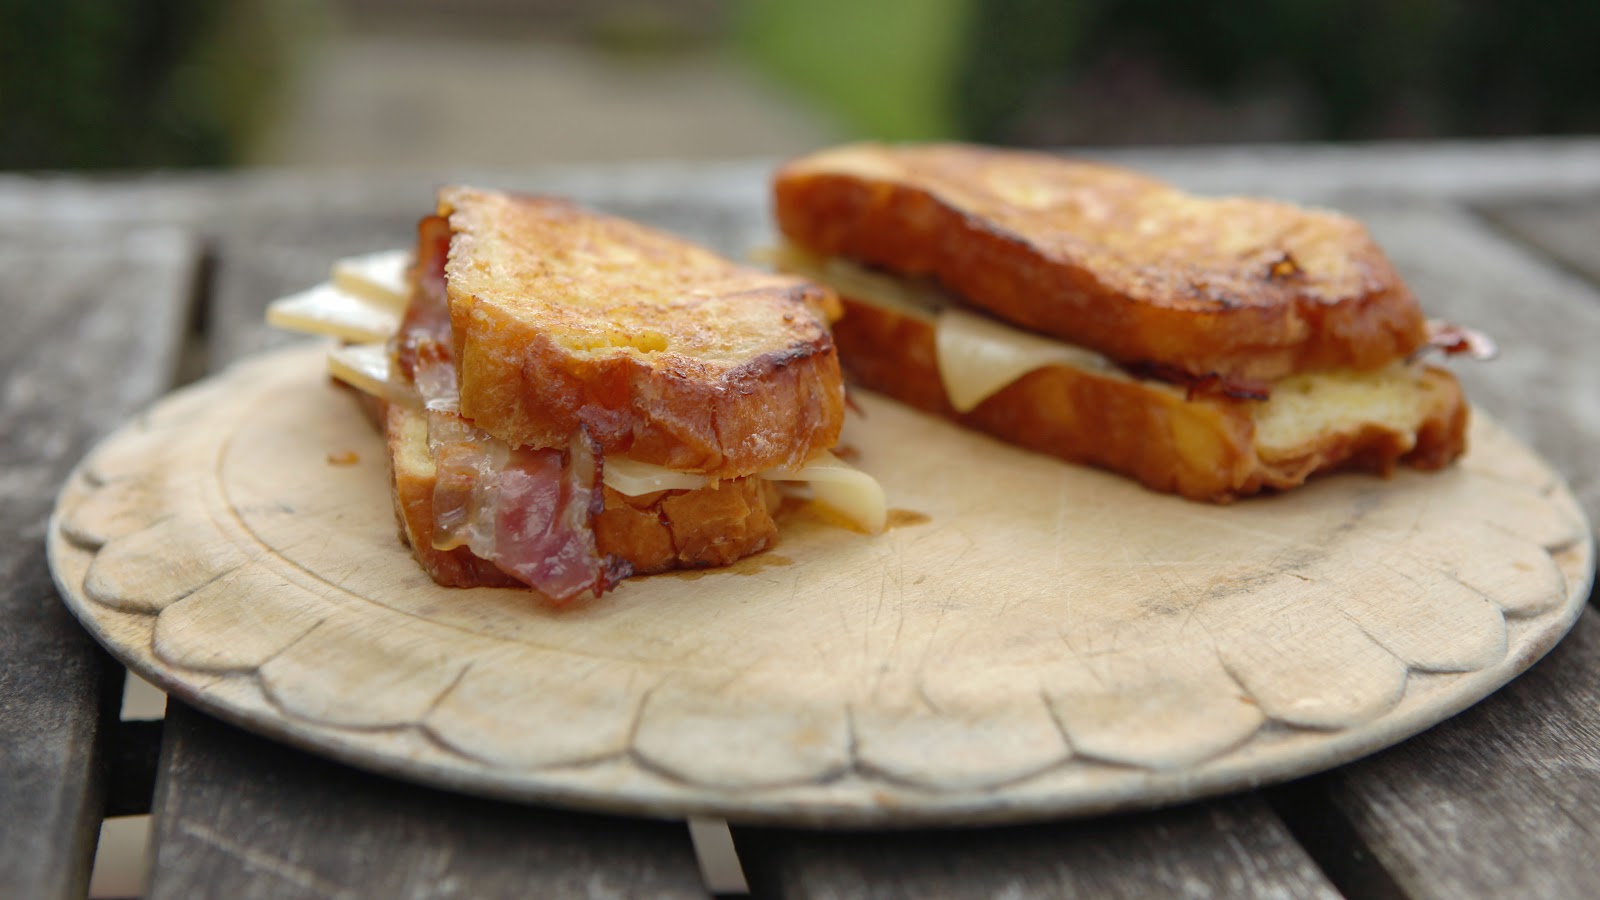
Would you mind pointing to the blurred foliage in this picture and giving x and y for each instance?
(1363, 68)
(98, 84)
(641, 31)
(95, 84)
(1011, 48)
(886, 68)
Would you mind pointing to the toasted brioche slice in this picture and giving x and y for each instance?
(710, 526)
(1210, 447)
(667, 353)
(1109, 259)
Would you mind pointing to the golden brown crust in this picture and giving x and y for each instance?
(712, 526)
(1202, 449)
(1109, 259)
(664, 351)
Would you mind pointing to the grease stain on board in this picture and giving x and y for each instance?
(905, 518)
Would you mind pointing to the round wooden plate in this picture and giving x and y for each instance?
(1029, 639)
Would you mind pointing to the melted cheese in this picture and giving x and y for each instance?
(328, 310)
(841, 487)
(364, 367)
(978, 356)
(381, 278)
(631, 477)
(919, 300)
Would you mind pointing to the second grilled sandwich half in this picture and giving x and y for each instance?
(1212, 348)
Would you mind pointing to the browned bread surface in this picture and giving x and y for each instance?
(712, 526)
(665, 351)
(1202, 449)
(1109, 259)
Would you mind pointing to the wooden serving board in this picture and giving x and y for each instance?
(1028, 640)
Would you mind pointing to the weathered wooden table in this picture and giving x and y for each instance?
(115, 291)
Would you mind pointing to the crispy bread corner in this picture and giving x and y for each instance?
(1109, 259)
(564, 317)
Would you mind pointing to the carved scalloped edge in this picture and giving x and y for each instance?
(104, 506)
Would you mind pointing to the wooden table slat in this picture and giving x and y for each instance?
(91, 333)
(243, 817)
(1477, 170)
(1229, 848)
(258, 261)
(1566, 228)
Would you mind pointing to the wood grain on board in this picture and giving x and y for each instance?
(91, 333)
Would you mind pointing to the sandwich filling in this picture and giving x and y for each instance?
(528, 511)
(979, 355)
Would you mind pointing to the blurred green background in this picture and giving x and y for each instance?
(95, 84)
(182, 83)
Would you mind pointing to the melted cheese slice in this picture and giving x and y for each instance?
(632, 477)
(364, 367)
(917, 299)
(841, 487)
(381, 278)
(978, 356)
(328, 310)
(1305, 407)
(846, 490)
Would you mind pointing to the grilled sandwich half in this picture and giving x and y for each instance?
(571, 398)
(1212, 348)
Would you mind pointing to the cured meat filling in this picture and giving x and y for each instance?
(528, 511)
